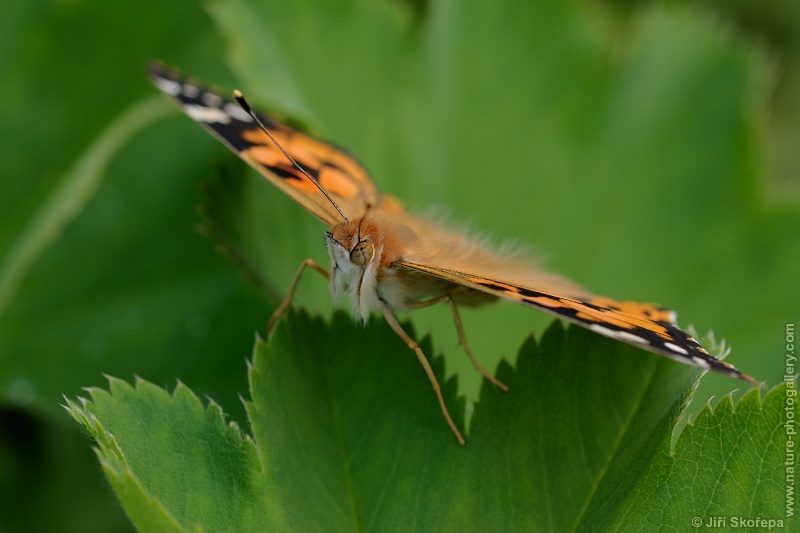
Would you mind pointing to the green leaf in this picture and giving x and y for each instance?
(347, 435)
(101, 266)
(208, 453)
(727, 464)
(101, 269)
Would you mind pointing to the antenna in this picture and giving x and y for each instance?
(237, 94)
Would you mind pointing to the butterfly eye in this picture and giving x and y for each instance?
(362, 253)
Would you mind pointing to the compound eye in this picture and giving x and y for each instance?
(362, 253)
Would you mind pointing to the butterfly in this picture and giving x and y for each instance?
(383, 258)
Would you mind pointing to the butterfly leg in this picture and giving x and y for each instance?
(308, 263)
(411, 343)
(463, 338)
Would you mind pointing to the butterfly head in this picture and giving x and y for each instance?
(355, 253)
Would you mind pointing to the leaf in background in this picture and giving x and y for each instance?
(46, 465)
(119, 281)
(124, 284)
(348, 436)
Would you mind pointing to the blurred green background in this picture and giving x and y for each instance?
(646, 149)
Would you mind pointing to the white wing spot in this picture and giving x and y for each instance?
(171, 87)
(675, 348)
(602, 330)
(212, 100)
(208, 115)
(701, 362)
(630, 337)
(621, 335)
(190, 90)
(237, 112)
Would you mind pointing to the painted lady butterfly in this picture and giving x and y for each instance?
(386, 259)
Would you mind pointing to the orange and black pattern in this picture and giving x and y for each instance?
(647, 326)
(336, 171)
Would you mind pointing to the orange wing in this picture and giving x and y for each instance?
(647, 326)
(336, 171)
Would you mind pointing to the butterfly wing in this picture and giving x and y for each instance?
(336, 171)
(647, 326)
